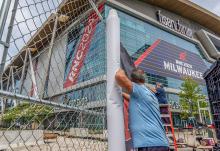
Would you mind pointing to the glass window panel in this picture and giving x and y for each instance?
(137, 34)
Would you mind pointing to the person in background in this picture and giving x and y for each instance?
(146, 127)
(160, 93)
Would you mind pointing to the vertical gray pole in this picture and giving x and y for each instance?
(200, 116)
(23, 71)
(210, 114)
(2, 9)
(6, 47)
(8, 37)
(8, 82)
(3, 15)
(1, 99)
(7, 89)
(96, 10)
(33, 78)
(115, 118)
(13, 83)
(49, 56)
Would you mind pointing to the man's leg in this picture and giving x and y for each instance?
(143, 149)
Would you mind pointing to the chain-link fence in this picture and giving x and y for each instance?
(53, 86)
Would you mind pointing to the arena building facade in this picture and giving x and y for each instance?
(182, 39)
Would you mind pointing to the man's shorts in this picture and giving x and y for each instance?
(156, 148)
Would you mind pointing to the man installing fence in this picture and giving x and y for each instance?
(145, 124)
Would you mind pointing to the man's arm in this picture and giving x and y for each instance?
(123, 80)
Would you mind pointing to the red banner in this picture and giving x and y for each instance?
(82, 49)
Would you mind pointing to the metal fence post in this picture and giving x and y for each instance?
(34, 121)
(115, 119)
(49, 56)
(3, 15)
(10, 27)
(6, 46)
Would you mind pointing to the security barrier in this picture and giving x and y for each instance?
(53, 75)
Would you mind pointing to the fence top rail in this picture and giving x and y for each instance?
(20, 97)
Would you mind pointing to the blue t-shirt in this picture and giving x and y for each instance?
(144, 119)
(161, 96)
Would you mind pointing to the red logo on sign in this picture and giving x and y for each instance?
(82, 49)
(182, 56)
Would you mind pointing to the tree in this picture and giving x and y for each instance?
(189, 95)
(26, 112)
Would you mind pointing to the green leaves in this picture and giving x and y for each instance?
(190, 96)
(26, 112)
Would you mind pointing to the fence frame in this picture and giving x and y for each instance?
(115, 119)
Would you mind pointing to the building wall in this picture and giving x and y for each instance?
(137, 32)
(94, 96)
(56, 76)
(150, 11)
(137, 35)
(92, 71)
(41, 71)
(58, 66)
(96, 62)
(27, 84)
(55, 82)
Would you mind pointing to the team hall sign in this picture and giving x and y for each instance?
(168, 60)
(182, 68)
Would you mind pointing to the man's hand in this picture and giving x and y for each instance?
(120, 72)
(123, 80)
(126, 96)
(153, 90)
